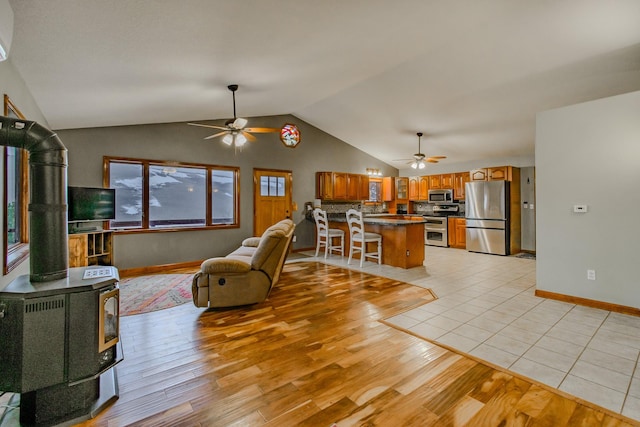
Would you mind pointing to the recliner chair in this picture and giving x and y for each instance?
(247, 275)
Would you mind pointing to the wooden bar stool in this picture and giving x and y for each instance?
(327, 235)
(361, 238)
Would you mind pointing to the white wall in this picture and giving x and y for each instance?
(11, 83)
(590, 154)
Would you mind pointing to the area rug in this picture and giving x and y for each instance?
(143, 294)
(526, 255)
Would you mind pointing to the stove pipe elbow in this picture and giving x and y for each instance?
(48, 248)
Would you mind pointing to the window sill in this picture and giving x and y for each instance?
(172, 229)
(15, 256)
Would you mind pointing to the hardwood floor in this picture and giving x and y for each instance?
(317, 353)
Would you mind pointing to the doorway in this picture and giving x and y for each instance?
(272, 198)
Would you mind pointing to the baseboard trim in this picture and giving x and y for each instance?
(157, 268)
(588, 302)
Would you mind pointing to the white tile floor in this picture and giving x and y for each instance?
(486, 307)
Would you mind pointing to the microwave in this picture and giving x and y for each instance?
(440, 196)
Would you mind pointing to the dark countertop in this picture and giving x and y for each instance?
(384, 219)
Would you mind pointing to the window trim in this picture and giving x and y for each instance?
(17, 253)
(146, 163)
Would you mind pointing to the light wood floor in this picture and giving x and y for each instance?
(317, 353)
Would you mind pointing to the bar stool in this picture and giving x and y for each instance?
(358, 235)
(326, 234)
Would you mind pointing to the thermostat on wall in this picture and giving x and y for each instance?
(580, 208)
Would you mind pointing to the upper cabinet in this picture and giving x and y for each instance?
(498, 173)
(388, 187)
(441, 182)
(402, 189)
(459, 180)
(418, 188)
(342, 186)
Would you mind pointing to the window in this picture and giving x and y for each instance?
(156, 195)
(272, 186)
(16, 170)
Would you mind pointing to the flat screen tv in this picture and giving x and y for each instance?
(91, 204)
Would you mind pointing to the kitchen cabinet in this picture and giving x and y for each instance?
(457, 233)
(459, 180)
(423, 188)
(446, 181)
(434, 182)
(342, 186)
(441, 182)
(497, 173)
(414, 188)
(388, 187)
(402, 189)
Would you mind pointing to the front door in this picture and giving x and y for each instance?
(272, 198)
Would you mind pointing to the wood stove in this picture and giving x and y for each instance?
(60, 345)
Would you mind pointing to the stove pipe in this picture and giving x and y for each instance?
(48, 250)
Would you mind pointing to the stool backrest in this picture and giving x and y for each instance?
(322, 224)
(355, 222)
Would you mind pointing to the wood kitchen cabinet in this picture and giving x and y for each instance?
(342, 186)
(388, 187)
(459, 180)
(497, 173)
(441, 182)
(402, 189)
(446, 181)
(414, 188)
(435, 182)
(423, 188)
(457, 233)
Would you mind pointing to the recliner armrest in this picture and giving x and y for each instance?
(224, 265)
(251, 242)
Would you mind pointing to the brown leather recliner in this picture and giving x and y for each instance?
(246, 275)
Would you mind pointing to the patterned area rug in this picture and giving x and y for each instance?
(154, 292)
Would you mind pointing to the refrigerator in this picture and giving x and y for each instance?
(487, 217)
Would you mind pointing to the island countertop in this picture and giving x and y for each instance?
(384, 219)
(402, 237)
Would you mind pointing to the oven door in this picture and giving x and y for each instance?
(435, 231)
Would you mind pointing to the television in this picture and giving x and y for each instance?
(91, 204)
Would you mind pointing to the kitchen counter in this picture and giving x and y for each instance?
(384, 219)
(402, 237)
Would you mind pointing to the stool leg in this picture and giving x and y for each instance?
(363, 252)
(379, 252)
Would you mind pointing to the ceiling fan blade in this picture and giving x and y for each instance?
(430, 160)
(438, 157)
(207, 126)
(216, 134)
(247, 135)
(262, 130)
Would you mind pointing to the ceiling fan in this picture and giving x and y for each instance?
(419, 160)
(234, 130)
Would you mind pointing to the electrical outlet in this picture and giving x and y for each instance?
(591, 275)
(294, 238)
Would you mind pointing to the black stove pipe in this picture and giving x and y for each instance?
(48, 250)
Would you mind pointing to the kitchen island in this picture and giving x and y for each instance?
(402, 237)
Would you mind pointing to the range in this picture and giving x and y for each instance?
(435, 229)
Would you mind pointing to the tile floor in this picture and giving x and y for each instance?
(486, 307)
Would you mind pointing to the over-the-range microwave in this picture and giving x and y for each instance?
(440, 196)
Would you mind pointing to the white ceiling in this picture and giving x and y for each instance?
(470, 74)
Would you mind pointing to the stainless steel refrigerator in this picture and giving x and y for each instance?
(487, 216)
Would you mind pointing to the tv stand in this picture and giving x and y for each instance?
(91, 248)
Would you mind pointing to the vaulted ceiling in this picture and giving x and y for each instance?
(470, 74)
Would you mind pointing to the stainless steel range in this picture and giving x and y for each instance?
(435, 229)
